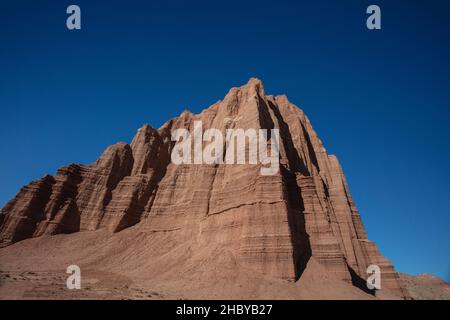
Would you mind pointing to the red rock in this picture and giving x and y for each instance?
(272, 225)
(425, 287)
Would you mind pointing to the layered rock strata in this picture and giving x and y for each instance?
(272, 224)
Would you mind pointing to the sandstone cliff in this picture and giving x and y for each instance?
(277, 226)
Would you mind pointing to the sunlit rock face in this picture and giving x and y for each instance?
(273, 225)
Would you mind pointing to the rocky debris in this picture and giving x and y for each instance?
(272, 225)
(40, 285)
(425, 287)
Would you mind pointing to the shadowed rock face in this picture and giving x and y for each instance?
(272, 224)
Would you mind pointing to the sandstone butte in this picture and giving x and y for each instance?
(203, 231)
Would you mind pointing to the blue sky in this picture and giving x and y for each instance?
(379, 100)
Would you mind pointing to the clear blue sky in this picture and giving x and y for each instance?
(379, 100)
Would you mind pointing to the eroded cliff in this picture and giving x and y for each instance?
(272, 225)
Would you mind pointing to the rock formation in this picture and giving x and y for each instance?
(272, 225)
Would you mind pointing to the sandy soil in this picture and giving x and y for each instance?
(137, 265)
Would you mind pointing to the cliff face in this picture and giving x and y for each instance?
(273, 225)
